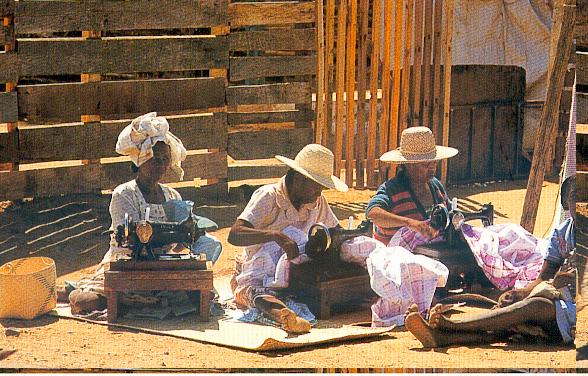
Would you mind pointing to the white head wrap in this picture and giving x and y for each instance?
(139, 137)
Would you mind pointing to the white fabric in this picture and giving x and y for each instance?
(139, 137)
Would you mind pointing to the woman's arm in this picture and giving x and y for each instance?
(383, 218)
(243, 234)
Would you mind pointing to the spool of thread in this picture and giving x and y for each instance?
(350, 223)
(454, 203)
(147, 213)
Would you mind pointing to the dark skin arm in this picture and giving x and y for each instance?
(548, 271)
(243, 234)
(383, 218)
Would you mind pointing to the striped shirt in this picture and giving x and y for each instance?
(395, 196)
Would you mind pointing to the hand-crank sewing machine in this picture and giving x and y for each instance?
(148, 269)
(327, 280)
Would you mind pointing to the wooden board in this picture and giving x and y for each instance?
(92, 177)
(244, 68)
(249, 172)
(101, 15)
(482, 136)
(582, 108)
(78, 141)
(117, 99)
(267, 144)
(8, 107)
(273, 39)
(340, 85)
(44, 56)
(293, 92)
(6, 7)
(8, 147)
(504, 151)
(8, 67)
(372, 180)
(6, 35)
(460, 139)
(582, 68)
(270, 13)
(236, 118)
(486, 83)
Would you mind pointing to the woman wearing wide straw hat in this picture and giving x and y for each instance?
(403, 200)
(153, 150)
(281, 213)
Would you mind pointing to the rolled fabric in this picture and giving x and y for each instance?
(139, 137)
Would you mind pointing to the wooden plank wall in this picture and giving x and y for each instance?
(269, 95)
(227, 76)
(372, 54)
(80, 71)
(581, 34)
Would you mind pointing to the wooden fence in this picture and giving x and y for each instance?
(367, 47)
(72, 74)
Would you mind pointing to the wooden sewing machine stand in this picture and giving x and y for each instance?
(186, 274)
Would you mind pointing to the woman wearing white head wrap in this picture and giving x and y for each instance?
(153, 150)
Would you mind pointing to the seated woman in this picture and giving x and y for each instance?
(154, 150)
(543, 308)
(403, 201)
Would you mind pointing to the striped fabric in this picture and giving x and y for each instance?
(395, 196)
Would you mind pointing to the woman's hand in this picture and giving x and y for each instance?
(423, 228)
(288, 245)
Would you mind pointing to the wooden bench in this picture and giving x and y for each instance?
(162, 275)
(321, 286)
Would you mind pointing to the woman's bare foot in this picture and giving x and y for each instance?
(291, 323)
(436, 318)
(421, 330)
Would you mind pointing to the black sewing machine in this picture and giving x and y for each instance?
(453, 251)
(324, 243)
(143, 237)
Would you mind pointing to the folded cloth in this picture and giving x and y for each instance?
(255, 315)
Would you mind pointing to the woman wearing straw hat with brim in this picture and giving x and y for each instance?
(403, 201)
(295, 203)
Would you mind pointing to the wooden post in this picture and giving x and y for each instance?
(417, 64)
(395, 95)
(350, 89)
(320, 122)
(361, 88)
(341, 33)
(407, 59)
(426, 116)
(437, 34)
(446, 82)
(374, 71)
(330, 77)
(561, 43)
(89, 119)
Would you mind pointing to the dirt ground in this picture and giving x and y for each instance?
(70, 230)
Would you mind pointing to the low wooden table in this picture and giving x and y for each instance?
(320, 286)
(163, 275)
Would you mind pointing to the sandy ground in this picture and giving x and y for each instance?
(70, 231)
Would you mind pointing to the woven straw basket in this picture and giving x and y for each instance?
(27, 288)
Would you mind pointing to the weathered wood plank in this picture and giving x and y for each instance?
(350, 89)
(8, 107)
(78, 141)
(582, 68)
(267, 144)
(372, 180)
(270, 13)
(6, 35)
(244, 68)
(293, 92)
(117, 99)
(100, 15)
(479, 84)
(39, 56)
(92, 177)
(582, 108)
(6, 7)
(340, 85)
(235, 118)
(250, 172)
(8, 147)
(8, 67)
(273, 39)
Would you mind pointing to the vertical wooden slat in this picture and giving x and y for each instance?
(330, 77)
(385, 119)
(417, 64)
(398, 44)
(426, 116)
(407, 58)
(372, 180)
(341, 33)
(10, 86)
(437, 66)
(447, 81)
(361, 88)
(350, 89)
(90, 119)
(320, 122)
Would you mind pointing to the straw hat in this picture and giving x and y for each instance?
(316, 162)
(27, 288)
(417, 144)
